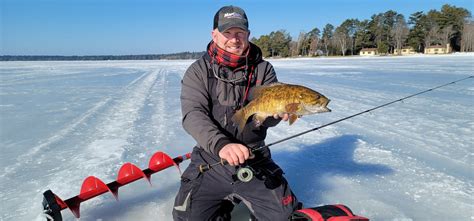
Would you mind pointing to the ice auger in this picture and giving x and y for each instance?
(93, 186)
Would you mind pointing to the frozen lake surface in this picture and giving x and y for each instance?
(64, 121)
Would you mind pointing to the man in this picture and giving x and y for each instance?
(213, 88)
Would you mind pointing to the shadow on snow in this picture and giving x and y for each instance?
(307, 169)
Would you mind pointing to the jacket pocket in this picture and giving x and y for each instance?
(190, 182)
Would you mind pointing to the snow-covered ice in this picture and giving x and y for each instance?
(412, 160)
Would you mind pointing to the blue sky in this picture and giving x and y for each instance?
(120, 27)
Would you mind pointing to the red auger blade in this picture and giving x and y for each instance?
(93, 186)
(160, 161)
(129, 173)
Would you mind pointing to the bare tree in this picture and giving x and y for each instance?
(400, 32)
(341, 38)
(467, 36)
(313, 47)
(300, 43)
(432, 36)
(294, 48)
(446, 34)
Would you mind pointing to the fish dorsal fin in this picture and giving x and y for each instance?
(258, 90)
(275, 83)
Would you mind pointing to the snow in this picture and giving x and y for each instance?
(412, 160)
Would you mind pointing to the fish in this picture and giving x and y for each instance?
(280, 98)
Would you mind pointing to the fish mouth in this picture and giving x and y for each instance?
(324, 109)
(324, 106)
(318, 109)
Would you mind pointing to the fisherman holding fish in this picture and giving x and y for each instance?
(229, 98)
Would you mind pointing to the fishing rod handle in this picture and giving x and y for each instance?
(206, 167)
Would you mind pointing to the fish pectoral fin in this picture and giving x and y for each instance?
(292, 108)
(293, 118)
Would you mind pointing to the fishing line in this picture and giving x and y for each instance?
(206, 167)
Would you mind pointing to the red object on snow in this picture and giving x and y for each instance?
(93, 186)
(337, 212)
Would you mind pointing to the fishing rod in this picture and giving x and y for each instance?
(245, 174)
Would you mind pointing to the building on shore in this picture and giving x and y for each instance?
(438, 49)
(405, 51)
(368, 52)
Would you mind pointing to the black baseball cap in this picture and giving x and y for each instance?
(230, 17)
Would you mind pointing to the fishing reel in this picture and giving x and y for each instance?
(245, 174)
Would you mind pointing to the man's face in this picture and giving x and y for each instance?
(233, 40)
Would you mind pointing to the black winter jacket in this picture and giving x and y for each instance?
(208, 103)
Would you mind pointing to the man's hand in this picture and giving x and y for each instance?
(283, 116)
(234, 153)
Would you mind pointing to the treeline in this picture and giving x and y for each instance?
(175, 56)
(385, 31)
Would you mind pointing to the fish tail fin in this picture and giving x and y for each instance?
(240, 119)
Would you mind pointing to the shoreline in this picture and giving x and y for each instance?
(269, 59)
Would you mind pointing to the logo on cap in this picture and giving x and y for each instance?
(233, 15)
